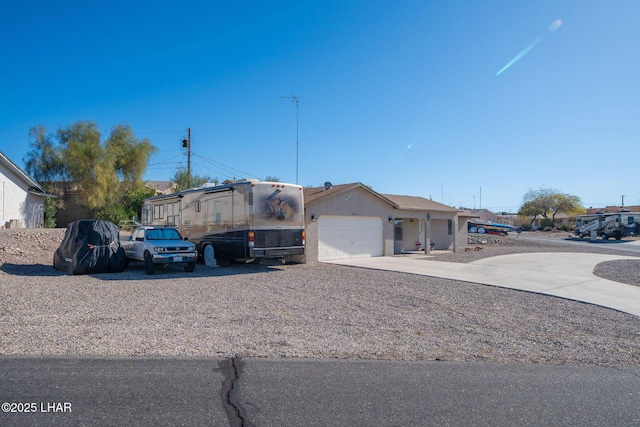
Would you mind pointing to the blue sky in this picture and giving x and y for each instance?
(403, 96)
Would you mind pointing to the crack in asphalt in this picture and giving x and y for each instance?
(236, 414)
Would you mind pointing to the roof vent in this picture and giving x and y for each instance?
(328, 185)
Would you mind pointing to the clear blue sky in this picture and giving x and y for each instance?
(404, 96)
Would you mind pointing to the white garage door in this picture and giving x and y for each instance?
(341, 237)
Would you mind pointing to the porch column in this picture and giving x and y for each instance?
(455, 233)
(427, 235)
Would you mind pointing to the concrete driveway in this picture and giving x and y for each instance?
(560, 274)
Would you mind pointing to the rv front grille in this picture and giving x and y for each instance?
(278, 238)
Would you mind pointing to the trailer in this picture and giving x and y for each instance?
(608, 225)
(242, 220)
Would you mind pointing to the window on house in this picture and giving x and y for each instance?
(197, 205)
(450, 226)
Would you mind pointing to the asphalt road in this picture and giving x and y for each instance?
(297, 392)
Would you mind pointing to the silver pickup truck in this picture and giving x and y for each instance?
(159, 245)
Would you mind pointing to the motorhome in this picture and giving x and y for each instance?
(608, 225)
(243, 220)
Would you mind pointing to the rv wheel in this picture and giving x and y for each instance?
(149, 266)
(604, 237)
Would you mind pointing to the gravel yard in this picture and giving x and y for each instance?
(314, 311)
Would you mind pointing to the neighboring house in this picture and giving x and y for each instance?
(354, 221)
(73, 206)
(74, 200)
(486, 215)
(22, 198)
(560, 219)
(162, 188)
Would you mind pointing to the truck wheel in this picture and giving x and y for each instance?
(149, 266)
(189, 267)
(604, 237)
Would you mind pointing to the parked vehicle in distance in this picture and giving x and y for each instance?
(608, 225)
(160, 245)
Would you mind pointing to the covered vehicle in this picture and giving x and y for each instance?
(90, 246)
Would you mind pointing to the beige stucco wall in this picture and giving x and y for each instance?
(17, 204)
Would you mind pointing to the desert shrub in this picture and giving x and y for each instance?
(526, 227)
(546, 223)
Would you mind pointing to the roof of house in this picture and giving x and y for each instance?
(613, 209)
(164, 187)
(467, 214)
(34, 186)
(418, 203)
(313, 194)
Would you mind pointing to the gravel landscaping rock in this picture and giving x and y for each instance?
(314, 311)
(624, 270)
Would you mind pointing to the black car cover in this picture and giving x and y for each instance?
(90, 246)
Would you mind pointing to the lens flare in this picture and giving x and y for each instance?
(555, 25)
(519, 56)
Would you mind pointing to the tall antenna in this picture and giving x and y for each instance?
(294, 98)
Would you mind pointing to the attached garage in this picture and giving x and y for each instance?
(341, 237)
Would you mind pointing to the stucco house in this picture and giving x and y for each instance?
(353, 221)
(21, 198)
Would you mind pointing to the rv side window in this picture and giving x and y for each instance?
(197, 205)
(630, 220)
(158, 212)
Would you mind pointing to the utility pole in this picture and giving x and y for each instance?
(294, 98)
(622, 201)
(186, 143)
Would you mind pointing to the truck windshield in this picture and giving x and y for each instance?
(164, 234)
